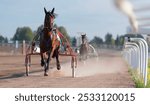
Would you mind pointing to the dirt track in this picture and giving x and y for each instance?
(107, 71)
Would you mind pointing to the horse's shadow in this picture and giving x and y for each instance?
(19, 75)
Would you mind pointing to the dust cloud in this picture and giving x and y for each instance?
(89, 67)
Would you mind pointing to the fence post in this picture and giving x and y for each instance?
(16, 44)
(23, 47)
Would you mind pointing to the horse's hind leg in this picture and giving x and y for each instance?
(57, 59)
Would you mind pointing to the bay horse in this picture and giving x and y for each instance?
(49, 43)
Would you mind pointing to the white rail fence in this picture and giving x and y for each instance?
(135, 53)
(13, 48)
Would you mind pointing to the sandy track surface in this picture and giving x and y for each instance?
(107, 71)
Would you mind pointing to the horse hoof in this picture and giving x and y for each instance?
(45, 74)
(42, 63)
(58, 67)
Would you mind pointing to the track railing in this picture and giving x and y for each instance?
(136, 54)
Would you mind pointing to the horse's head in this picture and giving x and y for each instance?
(83, 38)
(49, 34)
(49, 19)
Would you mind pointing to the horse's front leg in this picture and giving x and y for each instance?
(42, 60)
(43, 63)
(47, 63)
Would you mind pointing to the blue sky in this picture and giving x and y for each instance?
(94, 17)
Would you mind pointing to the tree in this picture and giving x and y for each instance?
(3, 39)
(117, 42)
(23, 33)
(134, 35)
(64, 32)
(55, 25)
(96, 41)
(112, 41)
(108, 39)
(74, 41)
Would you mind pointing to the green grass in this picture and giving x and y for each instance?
(139, 82)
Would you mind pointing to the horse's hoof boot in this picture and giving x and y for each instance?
(58, 67)
(45, 74)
